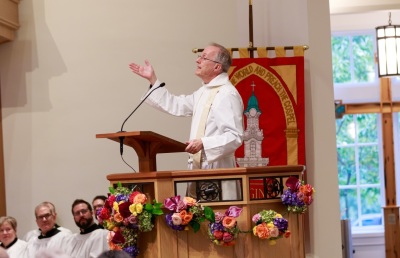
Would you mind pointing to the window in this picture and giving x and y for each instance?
(360, 170)
(358, 136)
(353, 58)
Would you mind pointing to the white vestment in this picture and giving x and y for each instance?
(18, 250)
(36, 232)
(56, 242)
(223, 128)
(89, 245)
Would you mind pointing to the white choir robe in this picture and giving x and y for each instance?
(18, 250)
(89, 245)
(55, 242)
(36, 232)
(224, 126)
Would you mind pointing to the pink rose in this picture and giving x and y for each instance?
(256, 218)
(227, 237)
(219, 217)
(176, 219)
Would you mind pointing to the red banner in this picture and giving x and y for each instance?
(272, 90)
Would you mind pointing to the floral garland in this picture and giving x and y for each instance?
(270, 225)
(298, 196)
(224, 230)
(185, 212)
(125, 214)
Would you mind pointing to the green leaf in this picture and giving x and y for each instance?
(111, 189)
(157, 205)
(148, 207)
(209, 213)
(157, 211)
(119, 184)
(195, 226)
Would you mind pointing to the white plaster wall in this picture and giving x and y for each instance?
(65, 79)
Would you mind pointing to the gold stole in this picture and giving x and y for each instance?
(202, 125)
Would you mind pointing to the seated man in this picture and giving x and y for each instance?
(36, 232)
(50, 236)
(92, 240)
(97, 204)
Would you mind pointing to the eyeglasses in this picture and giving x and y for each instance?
(202, 58)
(78, 213)
(44, 216)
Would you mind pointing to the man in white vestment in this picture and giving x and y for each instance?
(92, 240)
(36, 232)
(216, 109)
(50, 236)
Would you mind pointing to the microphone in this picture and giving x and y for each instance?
(121, 138)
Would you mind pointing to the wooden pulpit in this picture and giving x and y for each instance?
(147, 145)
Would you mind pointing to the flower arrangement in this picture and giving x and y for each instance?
(270, 225)
(185, 212)
(125, 214)
(298, 196)
(223, 229)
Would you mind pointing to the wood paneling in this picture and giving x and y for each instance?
(9, 22)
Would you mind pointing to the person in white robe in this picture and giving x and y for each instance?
(36, 232)
(15, 248)
(50, 236)
(216, 109)
(92, 240)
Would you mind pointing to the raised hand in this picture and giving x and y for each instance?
(145, 71)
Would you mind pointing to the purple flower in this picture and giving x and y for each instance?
(132, 250)
(168, 219)
(281, 224)
(172, 203)
(216, 227)
(233, 211)
(121, 197)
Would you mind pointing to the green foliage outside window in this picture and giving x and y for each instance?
(358, 169)
(353, 58)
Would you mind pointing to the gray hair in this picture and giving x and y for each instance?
(223, 57)
(49, 205)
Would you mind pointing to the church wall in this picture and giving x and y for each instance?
(65, 79)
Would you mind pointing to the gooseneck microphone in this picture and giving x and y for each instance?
(121, 138)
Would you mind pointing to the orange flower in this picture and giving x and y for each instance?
(287, 234)
(261, 231)
(118, 218)
(229, 222)
(189, 201)
(140, 198)
(186, 217)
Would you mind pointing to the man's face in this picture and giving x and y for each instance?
(97, 205)
(82, 215)
(207, 66)
(45, 219)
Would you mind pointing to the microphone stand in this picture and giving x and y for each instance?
(121, 138)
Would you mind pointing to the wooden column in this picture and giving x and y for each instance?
(391, 210)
